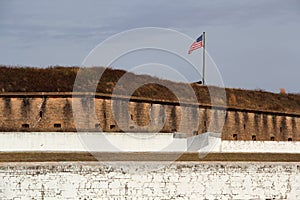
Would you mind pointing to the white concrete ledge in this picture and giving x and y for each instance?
(92, 141)
(135, 142)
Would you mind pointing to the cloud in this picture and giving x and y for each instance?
(248, 38)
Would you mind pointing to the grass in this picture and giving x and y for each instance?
(145, 156)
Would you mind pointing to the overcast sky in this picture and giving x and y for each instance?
(255, 44)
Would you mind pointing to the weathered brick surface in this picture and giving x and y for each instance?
(182, 180)
(55, 113)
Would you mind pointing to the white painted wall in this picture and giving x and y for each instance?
(130, 142)
(260, 146)
(179, 180)
(73, 141)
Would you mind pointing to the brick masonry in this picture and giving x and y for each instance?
(180, 180)
(55, 113)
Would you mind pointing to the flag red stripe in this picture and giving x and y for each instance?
(195, 45)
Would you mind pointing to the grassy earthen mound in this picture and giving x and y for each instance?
(61, 79)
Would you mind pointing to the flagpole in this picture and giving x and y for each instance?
(203, 64)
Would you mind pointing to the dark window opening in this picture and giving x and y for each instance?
(204, 123)
(254, 137)
(131, 117)
(290, 139)
(272, 138)
(235, 137)
(57, 125)
(112, 126)
(41, 114)
(131, 127)
(25, 125)
(97, 125)
(244, 126)
(163, 118)
(280, 129)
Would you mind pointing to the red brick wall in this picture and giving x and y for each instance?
(54, 113)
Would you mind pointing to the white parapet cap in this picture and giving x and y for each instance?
(135, 142)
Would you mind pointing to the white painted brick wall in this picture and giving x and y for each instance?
(260, 146)
(180, 180)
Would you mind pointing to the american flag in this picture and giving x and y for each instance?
(196, 45)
